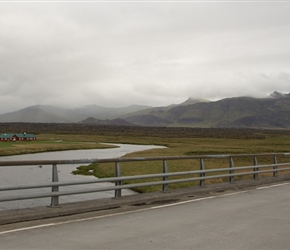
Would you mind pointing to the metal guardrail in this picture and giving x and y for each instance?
(200, 175)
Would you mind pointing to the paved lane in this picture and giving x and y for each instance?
(251, 219)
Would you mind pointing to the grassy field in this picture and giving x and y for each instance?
(198, 146)
(179, 142)
(50, 142)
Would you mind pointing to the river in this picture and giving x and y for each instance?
(24, 175)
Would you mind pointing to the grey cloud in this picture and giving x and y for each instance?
(146, 53)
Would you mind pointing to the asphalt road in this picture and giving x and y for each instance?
(249, 219)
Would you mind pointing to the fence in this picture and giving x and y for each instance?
(200, 175)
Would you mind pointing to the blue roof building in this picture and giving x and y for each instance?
(17, 137)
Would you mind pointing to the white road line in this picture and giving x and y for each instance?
(135, 211)
(272, 186)
(26, 228)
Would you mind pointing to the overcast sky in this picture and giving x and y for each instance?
(110, 53)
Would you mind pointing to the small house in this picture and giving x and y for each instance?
(17, 137)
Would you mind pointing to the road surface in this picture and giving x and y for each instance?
(249, 219)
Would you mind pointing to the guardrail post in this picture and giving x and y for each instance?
(201, 182)
(255, 169)
(54, 199)
(165, 178)
(232, 165)
(118, 192)
(275, 173)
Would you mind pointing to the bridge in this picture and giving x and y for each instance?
(245, 214)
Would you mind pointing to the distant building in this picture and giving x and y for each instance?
(17, 137)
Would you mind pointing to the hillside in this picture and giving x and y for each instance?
(272, 112)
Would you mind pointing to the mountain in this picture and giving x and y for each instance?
(272, 112)
(52, 114)
(237, 112)
(190, 101)
(278, 95)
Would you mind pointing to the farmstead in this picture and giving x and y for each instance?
(17, 137)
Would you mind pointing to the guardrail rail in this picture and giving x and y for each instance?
(200, 175)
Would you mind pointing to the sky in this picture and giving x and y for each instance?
(155, 53)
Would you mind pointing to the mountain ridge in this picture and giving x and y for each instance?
(272, 111)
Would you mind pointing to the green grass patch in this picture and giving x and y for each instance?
(85, 170)
(49, 143)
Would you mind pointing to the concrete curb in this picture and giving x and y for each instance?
(43, 212)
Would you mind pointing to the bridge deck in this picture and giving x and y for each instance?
(250, 219)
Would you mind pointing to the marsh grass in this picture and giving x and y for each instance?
(200, 146)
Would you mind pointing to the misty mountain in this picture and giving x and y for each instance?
(278, 95)
(99, 112)
(53, 114)
(38, 113)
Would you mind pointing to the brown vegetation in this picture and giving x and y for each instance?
(136, 131)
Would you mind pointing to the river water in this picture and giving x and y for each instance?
(24, 175)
